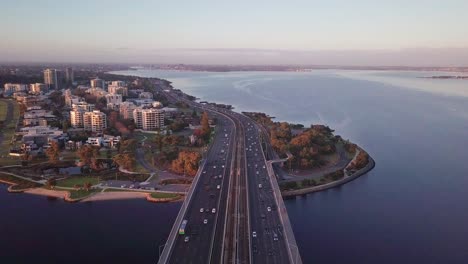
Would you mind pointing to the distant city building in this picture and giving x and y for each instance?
(95, 121)
(69, 75)
(126, 110)
(38, 88)
(118, 83)
(143, 102)
(97, 83)
(53, 79)
(77, 118)
(117, 90)
(148, 119)
(114, 99)
(83, 106)
(10, 88)
(96, 91)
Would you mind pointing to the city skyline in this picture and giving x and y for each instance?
(362, 33)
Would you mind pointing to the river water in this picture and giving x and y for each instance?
(410, 209)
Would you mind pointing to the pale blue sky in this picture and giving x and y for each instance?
(305, 32)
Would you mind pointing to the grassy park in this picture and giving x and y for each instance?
(79, 180)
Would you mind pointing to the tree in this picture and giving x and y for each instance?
(87, 186)
(186, 163)
(158, 139)
(51, 182)
(65, 126)
(205, 126)
(52, 152)
(87, 153)
(126, 161)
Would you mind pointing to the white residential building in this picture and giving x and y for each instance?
(114, 89)
(11, 88)
(95, 121)
(97, 83)
(38, 88)
(77, 118)
(148, 119)
(115, 99)
(98, 92)
(126, 110)
(83, 106)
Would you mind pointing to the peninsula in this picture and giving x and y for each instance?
(104, 136)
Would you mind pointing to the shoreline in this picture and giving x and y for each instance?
(299, 192)
(96, 197)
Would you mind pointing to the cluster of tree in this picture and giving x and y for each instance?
(124, 160)
(360, 162)
(163, 141)
(53, 152)
(182, 105)
(14, 78)
(307, 147)
(51, 182)
(57, 98)
(126, 156)
(350, 147)
(178, 125)
(128, 145)
(89, 156)
(86, 186)
(118, 126)
(80, 135)
(203, 134)
(166, 156)
(186, 163)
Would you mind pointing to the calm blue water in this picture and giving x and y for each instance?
(34, 229)
(410, 209)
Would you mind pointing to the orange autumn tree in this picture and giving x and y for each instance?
(186, 163)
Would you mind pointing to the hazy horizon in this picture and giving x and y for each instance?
(361, 33)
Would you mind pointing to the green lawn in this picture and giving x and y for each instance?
(159, 195)
(124, 190)
(77, 180)
(78, 194)
(21, 183)
(156, 195)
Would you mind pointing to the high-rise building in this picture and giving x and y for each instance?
(97, 83)
(53, 79)
(76, 117)
(126, 110)
(148, 119)
(69, 75)
(38, 88)
(114, 99)
(95, 121)
(113, 89)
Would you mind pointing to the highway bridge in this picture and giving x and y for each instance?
(233, 212)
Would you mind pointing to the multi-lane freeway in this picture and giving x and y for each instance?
(233, 212)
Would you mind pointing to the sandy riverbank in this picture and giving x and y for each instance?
(49, 193)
